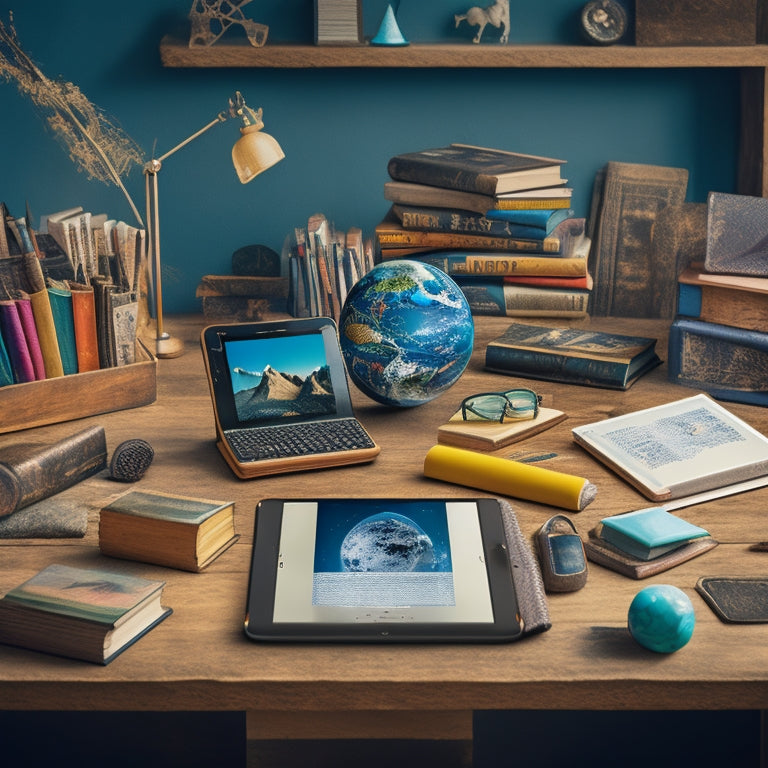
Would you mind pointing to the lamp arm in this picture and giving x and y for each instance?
(219, 119)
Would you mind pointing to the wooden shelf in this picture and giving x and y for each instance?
(175, 52)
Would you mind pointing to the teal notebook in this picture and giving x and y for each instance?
(648, 533)
(61, 307)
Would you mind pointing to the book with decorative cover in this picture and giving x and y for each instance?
(476, 169)
(678, 449)
(729, 363)
(176, 531)
(737, 234)
(83, 613)
(572, 355)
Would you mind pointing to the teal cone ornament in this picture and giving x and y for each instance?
(389, 32)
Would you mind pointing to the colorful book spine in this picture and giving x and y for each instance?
(481, 263)
(489, 297)
(16, 342)
(27, 318)
(61, 308)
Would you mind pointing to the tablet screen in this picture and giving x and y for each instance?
(413, 561)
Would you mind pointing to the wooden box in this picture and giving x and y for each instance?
(698, 22)
(78, 395)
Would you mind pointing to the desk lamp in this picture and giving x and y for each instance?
(253, 153)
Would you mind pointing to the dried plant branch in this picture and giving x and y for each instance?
(96, 145)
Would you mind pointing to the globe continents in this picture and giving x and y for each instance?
(406, 333)
(661, 618)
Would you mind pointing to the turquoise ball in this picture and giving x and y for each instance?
(661, 618)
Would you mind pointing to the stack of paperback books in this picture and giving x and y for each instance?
(718, 341)
(499, 223)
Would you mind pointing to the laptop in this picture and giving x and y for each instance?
(281, 398)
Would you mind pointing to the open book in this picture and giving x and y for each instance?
(686, 447)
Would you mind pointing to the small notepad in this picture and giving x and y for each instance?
(648, 533)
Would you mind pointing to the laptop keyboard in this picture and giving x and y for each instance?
(298, 439)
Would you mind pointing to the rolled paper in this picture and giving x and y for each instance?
(508, 477)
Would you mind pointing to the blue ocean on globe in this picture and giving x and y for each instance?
(406, 332)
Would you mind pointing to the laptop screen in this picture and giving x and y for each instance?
(279, 377)
(275, 373)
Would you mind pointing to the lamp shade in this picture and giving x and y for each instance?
(254, 152)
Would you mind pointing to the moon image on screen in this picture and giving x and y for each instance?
(387, 542)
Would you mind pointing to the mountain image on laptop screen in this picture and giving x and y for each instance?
(277, 378)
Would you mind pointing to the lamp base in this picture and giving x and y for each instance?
(168, 346)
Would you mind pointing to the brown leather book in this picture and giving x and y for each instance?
(30, 472)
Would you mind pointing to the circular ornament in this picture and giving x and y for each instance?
(603, 22)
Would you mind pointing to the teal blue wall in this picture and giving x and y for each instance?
(338, 127)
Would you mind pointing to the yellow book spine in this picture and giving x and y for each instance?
(508, 478)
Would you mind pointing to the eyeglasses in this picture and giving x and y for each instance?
(498, 406)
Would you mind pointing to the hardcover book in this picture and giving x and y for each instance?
(572, 355)
(497, 298)
(648, 533)
(678, 449)
(737, 234)
(176, 531)
(82, 613)
(520, 224)
(476, 169)
(741, 302)
(409, 193)
(626, 202)
(490, 435)
(728, 363)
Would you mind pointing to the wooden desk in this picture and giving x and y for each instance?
(199, 659)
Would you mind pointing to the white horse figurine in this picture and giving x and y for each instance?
(496, 15)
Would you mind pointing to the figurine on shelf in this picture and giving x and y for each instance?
(210, 19)
(496, 15)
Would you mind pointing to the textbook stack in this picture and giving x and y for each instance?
(499, 223)
(323, 264)
(73, 300)
(718, 341)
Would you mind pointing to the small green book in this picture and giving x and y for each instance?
(648, 533)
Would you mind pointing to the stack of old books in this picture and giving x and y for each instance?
(718, 341)
(499, 223)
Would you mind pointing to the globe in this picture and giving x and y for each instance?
(406, 333)
(661, 618)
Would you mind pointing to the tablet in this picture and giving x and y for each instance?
(381, 570)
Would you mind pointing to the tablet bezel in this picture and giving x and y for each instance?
(260, 624)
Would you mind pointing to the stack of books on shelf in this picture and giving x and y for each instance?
(70, 296)
(718, 341)
(323, 264)
(499, 223)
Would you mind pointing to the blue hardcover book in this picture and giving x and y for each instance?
(545, 219)
(648, 533)
(6, 371)
(63, 320)
(726, 362)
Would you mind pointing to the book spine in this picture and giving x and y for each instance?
(61, 307)
(462, 222)
(417, 171)
(46, 333)
(27, 318)
(554, 367)
(404, 238)
(16, 342)
(509, 264)
(84, 323)
(728, 363)
(499, 299)
(529, 203)
(6, 370)
(29, 473)
(722, 305)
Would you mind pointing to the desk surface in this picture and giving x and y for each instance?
(200, 659)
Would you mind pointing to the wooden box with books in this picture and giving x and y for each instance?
(77, 395)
